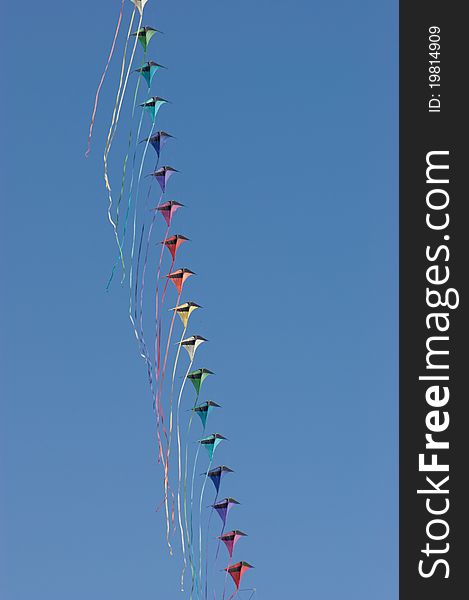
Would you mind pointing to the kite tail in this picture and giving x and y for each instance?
(191, 530)
(170, 334)
(178, 428)
(158, 390)
(186, 522)
(168, 450)
(206, 544)
(142, 291)
(159, 377)
(136, 287)
(129, 203)
(124, 87)
(124, 172)
(160, 372)
(157, 344)
(113, 126)
(142, 353)
(157, 408)
(167, 281)
(200, 515)
(144, 350)
(158, 272)
(226, 578)
(136, 204)
(96, 99)
(133, 235)
(219, 541)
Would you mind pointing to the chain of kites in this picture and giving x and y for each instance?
(133, 234)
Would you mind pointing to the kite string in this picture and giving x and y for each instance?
(96, 99)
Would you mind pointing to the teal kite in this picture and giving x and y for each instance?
(148, 71)
(203, 410)
(211, 442)
(153, 105)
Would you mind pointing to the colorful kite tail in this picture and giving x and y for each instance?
(120, 244)
(103, 76)
(206, 544)
(178, 430)
(112, 130)
(168, 450)
(226, 578)
(186, 520)
(114, 123)
(134, 234)
(200, 517)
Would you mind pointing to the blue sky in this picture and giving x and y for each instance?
(286, 122)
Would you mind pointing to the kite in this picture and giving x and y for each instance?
(148, 72)
(163, 174)
(203, 410)
(167, 209)
(185, 310)
(216, 475)
(211, 442)
(191, 344)
(224, 507)
(140, 5)
(173, 243)
(157, 141)
(198, 377)
(144, 35)
(237, 571)
(132, 211)
(153, 105)
(230, 539)
(179, 277)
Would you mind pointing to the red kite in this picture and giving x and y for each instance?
(173, 243)
(237, 571)
(179, 276)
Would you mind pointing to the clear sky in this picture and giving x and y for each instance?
(285, 115)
